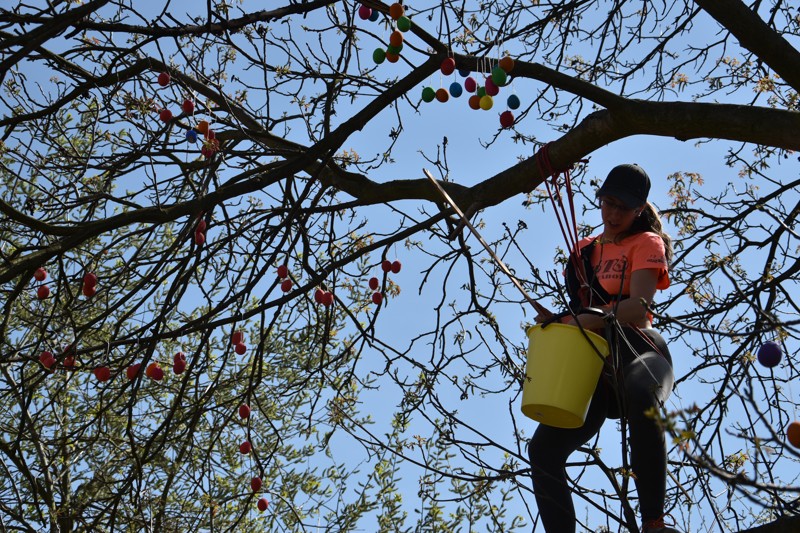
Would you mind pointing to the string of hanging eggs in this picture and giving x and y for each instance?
(482, 97)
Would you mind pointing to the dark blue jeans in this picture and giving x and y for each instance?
(644, 380)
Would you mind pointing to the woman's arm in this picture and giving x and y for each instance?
(630, 310)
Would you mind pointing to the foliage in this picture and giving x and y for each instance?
(351, 428)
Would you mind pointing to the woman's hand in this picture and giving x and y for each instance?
(589, 321)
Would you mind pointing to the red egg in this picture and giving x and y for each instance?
(448, 66)
(491, 87)
(470, 85)
(319, 296)
(506, 119)
(328, 301)
(793, 434)
(364, 12)
(102, 373)
(262, 504)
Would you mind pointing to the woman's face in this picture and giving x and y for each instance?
(617, 217)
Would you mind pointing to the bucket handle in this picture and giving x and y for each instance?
(583, 310)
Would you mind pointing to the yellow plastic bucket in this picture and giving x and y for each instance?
(562, 373)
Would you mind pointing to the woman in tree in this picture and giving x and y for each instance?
(618, 272)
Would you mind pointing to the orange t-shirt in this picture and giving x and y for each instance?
(615, 262)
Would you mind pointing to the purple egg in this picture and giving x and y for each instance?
(769, 354)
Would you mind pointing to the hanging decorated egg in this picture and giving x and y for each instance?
(202, 127)
(448, 66)
(165, 115)
(187, 106)
(470, 84)
(403, 24)
(486, 102)
(455, 89)
(507, 64)
(442, 95)
(499, 76)
(392, 58)
(364, 12)
(793, 434)
(506, 119)
(463, 72)
(375, 15)
(491, 87)
(396, 39)
(428, 94)
(392, 49)
(191, 136)
(379, 56)
(474, 102)
(513, 101)
(481, 91)
(396, 10)
(769, 354)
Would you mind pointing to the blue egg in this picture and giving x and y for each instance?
(513, 101)
(191, 136)
(464, 72)
(374, 16)
(455, 89)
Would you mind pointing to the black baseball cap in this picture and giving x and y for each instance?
(629, 183)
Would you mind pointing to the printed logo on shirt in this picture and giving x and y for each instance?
(611, 268)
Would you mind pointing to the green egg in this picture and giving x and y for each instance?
(403, 24)
(499, 76)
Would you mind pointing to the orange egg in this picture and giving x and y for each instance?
(442, 95)
(507, 64)
(396, 38)
(475, 101)
(396, 10)
(392, 58)
(793, 434)
(202, 127)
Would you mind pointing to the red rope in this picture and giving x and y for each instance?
(567, 221)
